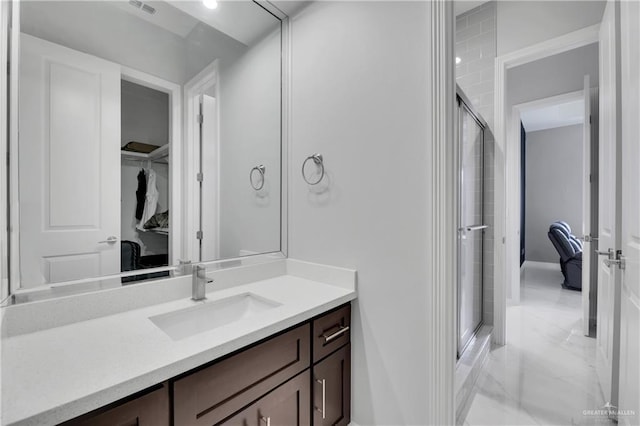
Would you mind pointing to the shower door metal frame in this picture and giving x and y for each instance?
(463, 102)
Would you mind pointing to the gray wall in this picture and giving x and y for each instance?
(250, 136)
(372, 125)
(553, 187)
(523, 23)
(555, 75)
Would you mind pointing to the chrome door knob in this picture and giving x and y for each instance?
(110, 240)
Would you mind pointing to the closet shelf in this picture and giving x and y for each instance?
(161, 231)
(160, 155)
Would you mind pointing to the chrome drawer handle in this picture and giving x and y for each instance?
(323, 382)
(343, 329)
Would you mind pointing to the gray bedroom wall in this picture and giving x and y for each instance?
(553, 188)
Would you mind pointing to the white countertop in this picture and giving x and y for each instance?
(55, 374)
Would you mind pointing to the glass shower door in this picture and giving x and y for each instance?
(470, 225)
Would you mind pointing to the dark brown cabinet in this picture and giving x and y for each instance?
(299, 377)
(287, 405)
(331, 331)
(210, 395)
(150, 408)
(332, 389)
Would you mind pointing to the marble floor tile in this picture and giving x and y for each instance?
(545, 375)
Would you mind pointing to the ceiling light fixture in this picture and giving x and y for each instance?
(210, 4)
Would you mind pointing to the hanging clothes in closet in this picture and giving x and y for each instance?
(141, 194)
(151, 200)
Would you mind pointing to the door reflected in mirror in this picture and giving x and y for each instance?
(140, 127)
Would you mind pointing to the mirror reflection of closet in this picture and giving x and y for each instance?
(144, 179)
(95, 76)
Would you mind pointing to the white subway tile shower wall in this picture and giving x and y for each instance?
(476, 47)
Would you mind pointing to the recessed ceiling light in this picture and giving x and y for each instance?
(210, 4)
(458, 60)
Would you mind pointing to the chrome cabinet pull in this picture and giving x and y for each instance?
(266, 420)
(322, 410)
(343, 329)
(110, 240)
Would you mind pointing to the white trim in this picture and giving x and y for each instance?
(554, 46)
(551, 101)
(441, 242)
(204, 80)
(5, 9)
(506, 242)
(14, 204)
(175, 147)
(285, 125)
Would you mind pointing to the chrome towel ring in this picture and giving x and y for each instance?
(261, 169)
(317, 159)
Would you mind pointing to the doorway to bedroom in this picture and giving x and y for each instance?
(552, 126)
(558, 150)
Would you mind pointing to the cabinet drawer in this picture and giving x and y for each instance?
(331, 331)
(147, 409)
(286, 405)
(210, 395)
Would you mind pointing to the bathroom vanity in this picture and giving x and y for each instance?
(272, 381)
(285, 360)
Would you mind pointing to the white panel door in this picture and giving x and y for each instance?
(629, 393)
(69, 159)
(586, 206)
(608, 292)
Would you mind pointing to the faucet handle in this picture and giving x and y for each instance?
(199, 281)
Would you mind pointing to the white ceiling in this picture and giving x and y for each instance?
(166, 16)
(242, 20)
(552, 116)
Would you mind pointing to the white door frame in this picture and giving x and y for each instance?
(205, 79)
(506, 240)
(175, 149)
(442, 221)
(5, 17)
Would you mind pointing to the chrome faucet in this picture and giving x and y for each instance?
(199, 283)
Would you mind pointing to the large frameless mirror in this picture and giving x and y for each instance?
(147, 133)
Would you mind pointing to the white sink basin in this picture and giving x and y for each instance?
(209, 315)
